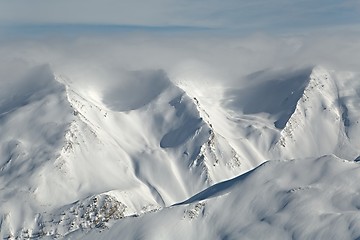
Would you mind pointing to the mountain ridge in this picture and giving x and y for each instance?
(107, 155)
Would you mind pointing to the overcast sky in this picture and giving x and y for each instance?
(237, 15)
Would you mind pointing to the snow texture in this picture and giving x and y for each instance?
(147, 157)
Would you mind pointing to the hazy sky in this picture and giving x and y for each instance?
(266, 34)
(232, 15)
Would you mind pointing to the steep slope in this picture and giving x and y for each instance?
(292, 114)
(161, 132)
(76, 156)
(86, 156)
(308, 118)
(34, 116)
(317, 126)
(295, 199)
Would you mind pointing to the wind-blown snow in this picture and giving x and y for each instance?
(126, 156)
(146, 84)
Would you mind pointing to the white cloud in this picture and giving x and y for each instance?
(222, 60)
(257, 15)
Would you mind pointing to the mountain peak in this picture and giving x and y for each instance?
(319, 112)
(82, 156)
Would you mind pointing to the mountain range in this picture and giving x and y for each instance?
(147, 157)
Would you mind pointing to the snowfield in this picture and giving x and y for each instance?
(150, 157)
(296, 199)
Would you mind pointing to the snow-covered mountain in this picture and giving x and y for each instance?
(150, 157)
(296, 199)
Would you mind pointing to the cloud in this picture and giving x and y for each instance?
(217, 59)
(240, 15)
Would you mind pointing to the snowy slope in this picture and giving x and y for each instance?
(141, 151)
(76, 157)
(319, 112)
(295, 199)
(34, 116)
(294, 114)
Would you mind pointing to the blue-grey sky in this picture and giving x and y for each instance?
(232, 15)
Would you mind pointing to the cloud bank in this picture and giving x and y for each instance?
(245, 16)
(222, 41)
(222, 60)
